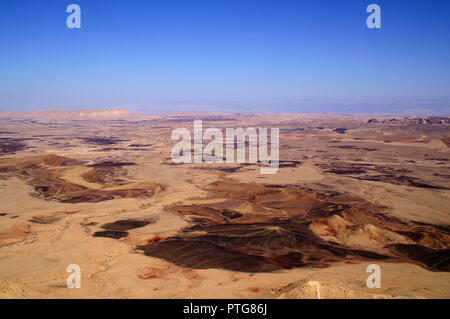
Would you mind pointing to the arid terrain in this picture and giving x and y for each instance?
(99, 189)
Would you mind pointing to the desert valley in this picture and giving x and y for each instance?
(99, 189)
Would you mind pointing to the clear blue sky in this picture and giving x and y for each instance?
(232, 56)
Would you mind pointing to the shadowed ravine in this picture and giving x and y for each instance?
(92, 183)
(256, 228)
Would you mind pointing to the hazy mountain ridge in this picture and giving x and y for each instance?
(125, 114)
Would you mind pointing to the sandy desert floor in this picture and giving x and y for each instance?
(98, 189)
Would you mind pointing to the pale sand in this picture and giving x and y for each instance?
(34, 256)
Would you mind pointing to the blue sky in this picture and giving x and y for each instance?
(231, 56)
